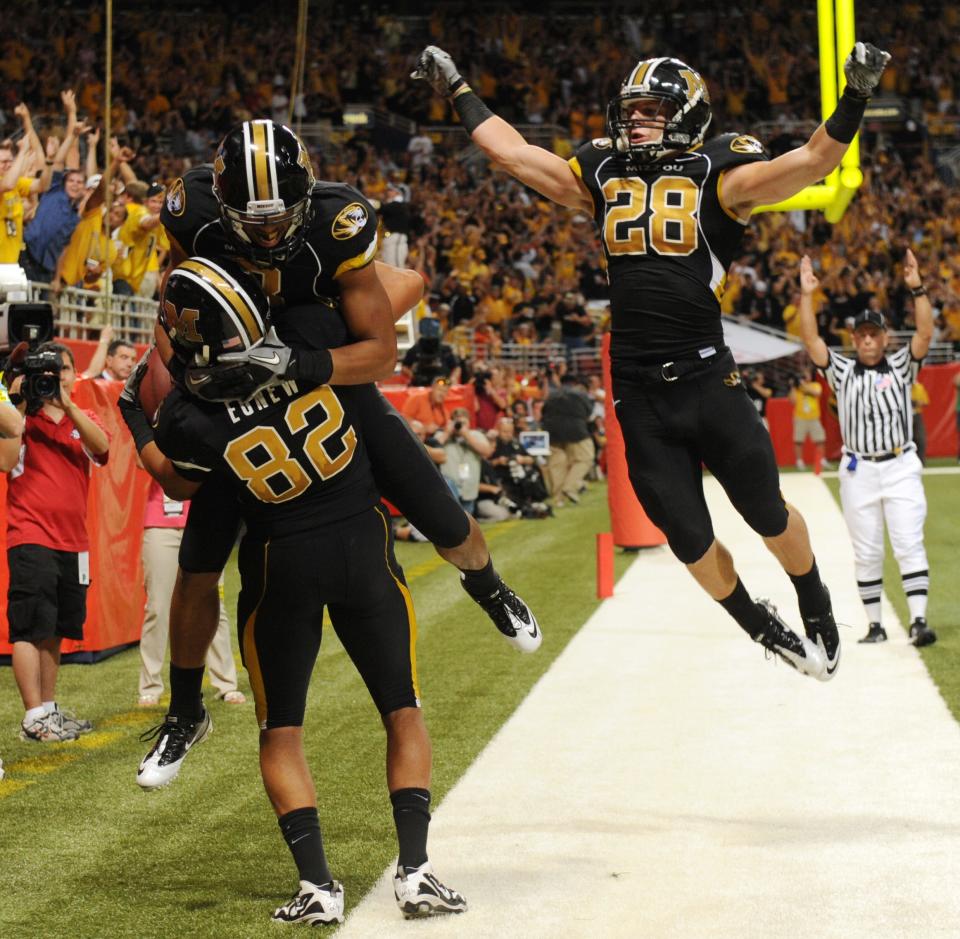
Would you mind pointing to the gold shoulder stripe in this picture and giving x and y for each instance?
(574, 164)
(223, 287)
(361, 260)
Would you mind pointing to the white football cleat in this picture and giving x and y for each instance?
(419, 893)
(175, 736)
(313, 905)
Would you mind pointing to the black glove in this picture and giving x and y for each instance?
(437, 68)
(273, 361)
(130, 407)
(863, 69)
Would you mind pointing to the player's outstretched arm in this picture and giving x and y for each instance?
(922, 309)
(815, 346)
(540, 169)
(753, 184)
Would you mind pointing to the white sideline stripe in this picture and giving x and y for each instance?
(663, 780)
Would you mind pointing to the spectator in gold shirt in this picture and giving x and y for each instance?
(805, 395)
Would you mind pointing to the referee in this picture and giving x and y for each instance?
(880, 472)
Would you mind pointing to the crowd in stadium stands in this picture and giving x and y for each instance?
(502, 266)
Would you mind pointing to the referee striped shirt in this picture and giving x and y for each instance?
(873, 404)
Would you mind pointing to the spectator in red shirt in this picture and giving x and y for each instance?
(47, 544)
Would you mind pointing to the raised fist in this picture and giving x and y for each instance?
(863, 68)
(436, 67)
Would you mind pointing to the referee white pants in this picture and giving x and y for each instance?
(891, 491)
(161, 547)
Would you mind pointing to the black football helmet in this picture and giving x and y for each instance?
(263, 179)
(209, 309)
(682, 100)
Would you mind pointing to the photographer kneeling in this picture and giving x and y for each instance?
(47, 542)
(518, 473)
(465, 449)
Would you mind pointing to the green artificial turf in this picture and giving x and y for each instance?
(87, 854)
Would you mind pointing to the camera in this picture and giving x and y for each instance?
(41, 377)
(458, 427)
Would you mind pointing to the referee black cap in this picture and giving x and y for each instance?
(870, 318)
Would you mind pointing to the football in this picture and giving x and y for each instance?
(155, 386)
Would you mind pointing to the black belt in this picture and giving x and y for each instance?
(883, 457)
(666, 371)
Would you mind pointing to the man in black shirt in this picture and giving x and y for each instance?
(566, 414)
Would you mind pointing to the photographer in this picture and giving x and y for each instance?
(47, 542)
(429, 358)
(492, 398)
(465, 449)
(518, 472)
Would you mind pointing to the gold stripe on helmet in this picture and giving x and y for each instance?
(225, 289)
(639, 73)
(261, 171)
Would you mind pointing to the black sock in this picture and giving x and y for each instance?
(482, 583)
(811, 594)
(186, 698)
(745, 611)
(411, 814)
(301, 831)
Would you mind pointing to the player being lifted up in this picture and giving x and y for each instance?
(671, 209)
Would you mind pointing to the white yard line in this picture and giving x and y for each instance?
(663, 780)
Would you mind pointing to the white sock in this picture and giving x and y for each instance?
(49, 706)
(917, 604)
(34, 714)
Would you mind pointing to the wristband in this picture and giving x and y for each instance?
(920, 291)
(137, 422)
(844, 123)
(314, 365)
(473, 112)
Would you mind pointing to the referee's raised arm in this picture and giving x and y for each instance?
(922, 308)
(815, 346)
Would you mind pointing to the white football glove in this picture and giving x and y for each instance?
(267, 361)
(863, 68)
(436, 67)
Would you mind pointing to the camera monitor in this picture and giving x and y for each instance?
(535, 442)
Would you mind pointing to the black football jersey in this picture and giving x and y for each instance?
(669, 240)
(294, 456)
(342, 236)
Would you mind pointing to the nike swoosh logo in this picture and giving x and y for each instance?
(534, 632)
(273, 360)
(616, 401)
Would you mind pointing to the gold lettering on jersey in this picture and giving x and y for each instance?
(673, 225)
(268, 277)
(623, 229)
(669, 221)
(182, 322)
(350, 221)
(177, 199)
(746, 144)
(261, 458)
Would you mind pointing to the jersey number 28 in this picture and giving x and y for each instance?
(668, 224)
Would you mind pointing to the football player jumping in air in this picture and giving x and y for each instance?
(304, 241)
(672, 207)
(293, 453)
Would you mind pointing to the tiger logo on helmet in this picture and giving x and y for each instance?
(665, 94)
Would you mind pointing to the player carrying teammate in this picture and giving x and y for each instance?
(293, 455)
(671, 209)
